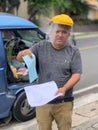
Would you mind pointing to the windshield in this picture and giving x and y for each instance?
(30, 35)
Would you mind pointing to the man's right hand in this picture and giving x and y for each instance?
(23, 53)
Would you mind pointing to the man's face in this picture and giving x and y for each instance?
(59, 36)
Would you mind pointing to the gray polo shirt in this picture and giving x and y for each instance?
(56, 65)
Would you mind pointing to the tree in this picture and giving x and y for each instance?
(38, 7)
(75, 8)
(9, 5)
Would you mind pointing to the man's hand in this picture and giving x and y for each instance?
(69, 84)
(23, 53)
(62, 91)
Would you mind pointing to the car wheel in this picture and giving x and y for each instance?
(22, 110)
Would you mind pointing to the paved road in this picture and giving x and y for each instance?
(89, 51)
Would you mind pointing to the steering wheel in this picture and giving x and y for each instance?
(18, 46)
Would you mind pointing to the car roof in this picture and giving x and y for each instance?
(10, 21)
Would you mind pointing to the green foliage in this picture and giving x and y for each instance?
(37, 7)
(74, 8)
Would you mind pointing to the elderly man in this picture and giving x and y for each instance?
(60, 62)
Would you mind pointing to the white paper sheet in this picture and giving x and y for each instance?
(41, 94)
(31, 64)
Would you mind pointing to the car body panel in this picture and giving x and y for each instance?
(12, 22)
(13, 32)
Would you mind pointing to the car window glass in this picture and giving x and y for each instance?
(30, 35)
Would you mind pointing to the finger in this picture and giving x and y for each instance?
(31, 55)
(19, 57)
(56, 93)
(28, 52)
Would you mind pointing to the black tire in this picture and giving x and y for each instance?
(21, 109)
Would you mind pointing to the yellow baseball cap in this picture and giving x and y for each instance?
(62, 19)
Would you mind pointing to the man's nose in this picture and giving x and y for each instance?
(60, 33)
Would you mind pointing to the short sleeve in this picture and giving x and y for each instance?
(76, 63)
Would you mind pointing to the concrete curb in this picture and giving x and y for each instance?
(85, 35)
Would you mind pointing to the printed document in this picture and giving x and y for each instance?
(41, 94)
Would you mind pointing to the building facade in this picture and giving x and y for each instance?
(93, 12)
